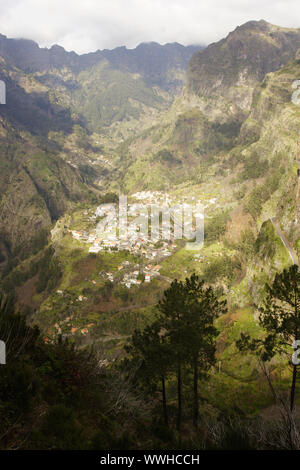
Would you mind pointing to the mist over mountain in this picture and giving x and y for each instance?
(151, 60)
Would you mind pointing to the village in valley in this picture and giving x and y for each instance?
(105, 236)
(120, 261)
(136, 240)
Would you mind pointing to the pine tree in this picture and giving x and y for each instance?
(149, 349)
(188, 311)
(280, 318)
(172, 308)
(202, 308)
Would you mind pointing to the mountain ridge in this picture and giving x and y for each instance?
(29, 56)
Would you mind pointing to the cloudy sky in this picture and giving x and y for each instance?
(88, 25)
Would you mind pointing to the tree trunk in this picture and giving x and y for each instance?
(164, 399)
(293, 388)
(179, 398)
(196, 398)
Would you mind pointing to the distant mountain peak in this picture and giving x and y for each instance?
(246, 55)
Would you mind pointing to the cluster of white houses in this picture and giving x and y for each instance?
(133, 229)
(138, 245)
(133, 274)
(107, 235)
(153, 197)
(134, 277)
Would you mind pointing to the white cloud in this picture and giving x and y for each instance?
(87, 25)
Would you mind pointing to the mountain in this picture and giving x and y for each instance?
(232, 67)
(55, 99)
(204, 123)
(163, 66)
(241, 136)
(110, 116)
(77, 126)
(165, 125)
(77, 130)
(36, 187)
(104, 86)
(156, 63)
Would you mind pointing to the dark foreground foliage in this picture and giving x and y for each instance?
(56, 396)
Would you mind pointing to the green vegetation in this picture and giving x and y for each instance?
(49, 272)
(111, 95)
(187, 352)
(75, 135)
(279, 317)
(215, 226)
(54, 396)
(224, 267)
(260, 194)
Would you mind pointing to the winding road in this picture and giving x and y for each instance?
(284, 240)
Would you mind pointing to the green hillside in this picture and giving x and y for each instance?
(186, 335)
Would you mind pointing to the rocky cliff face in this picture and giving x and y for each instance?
(36, 184)
(231, 68)
(36, 187)
(207, 120)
